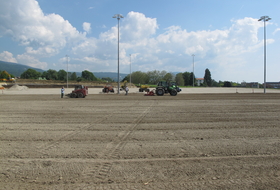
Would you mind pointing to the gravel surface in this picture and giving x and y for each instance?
(110, 141)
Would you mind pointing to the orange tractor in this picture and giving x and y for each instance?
(108, 88)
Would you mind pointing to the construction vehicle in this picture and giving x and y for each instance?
(80, 91)
(144, 88)
(108, 88)
(123, 86)
(165, 87)
(6, 77)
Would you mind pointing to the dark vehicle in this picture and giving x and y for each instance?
(165, 87)
(80, 91)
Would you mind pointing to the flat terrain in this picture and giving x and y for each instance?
(109, 141)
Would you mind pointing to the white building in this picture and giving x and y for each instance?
(199, 81)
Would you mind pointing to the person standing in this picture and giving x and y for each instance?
(62, 92)
(126, 90)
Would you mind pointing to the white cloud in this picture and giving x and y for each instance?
(86, 27)
(136, 26)
(276, 30)
(31, 61)
(45, 35)
(7, 56)
(217, 48)
(48, 35)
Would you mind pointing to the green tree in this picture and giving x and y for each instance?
(179, 79)
(155, 76)
(50, 74)
(207, 78)
(4, 75)
(192, 79)
(79, 79)
(126, 78)
(215, 83)
(30, 74)
(139, 77)
(62, 75)
(87, 75)
(186, 76)
(73, 76)
(168, 77)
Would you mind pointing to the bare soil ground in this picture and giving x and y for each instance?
(109, 141)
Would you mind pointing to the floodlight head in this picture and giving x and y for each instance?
(264, 18)
(118, 16)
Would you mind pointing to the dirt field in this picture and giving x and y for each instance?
(191, 141)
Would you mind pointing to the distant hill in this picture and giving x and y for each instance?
(111, 75)
(17, 69)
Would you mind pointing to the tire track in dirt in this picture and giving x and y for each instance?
(47, 146)
(114, 150)
(276, 156)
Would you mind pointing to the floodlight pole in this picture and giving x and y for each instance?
(118, 16)
(264, 18)
(193, 69)
(67, 69)
(130, 71)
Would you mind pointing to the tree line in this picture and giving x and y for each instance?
(182, 79)
(58, 75)
(137, 77)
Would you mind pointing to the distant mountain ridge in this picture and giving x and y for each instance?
(17, 69)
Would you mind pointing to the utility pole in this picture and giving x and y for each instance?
(130, 70)
(118, 16)
(264, 18)
(67, 70)
(193, 69)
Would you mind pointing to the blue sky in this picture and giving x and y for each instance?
(225, 36)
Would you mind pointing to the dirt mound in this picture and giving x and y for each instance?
(18, 88)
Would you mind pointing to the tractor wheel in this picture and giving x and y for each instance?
(140, 90)
(160, 92)
(103, 90)
(80, 95)
(73, 95)
(173, 92)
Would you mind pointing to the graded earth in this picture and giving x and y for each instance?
(110, 141)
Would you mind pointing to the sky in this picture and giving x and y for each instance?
(224, 36)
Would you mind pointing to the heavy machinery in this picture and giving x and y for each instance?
(80, 91)
(123, 86)
(6, 77)
(108, 88)
(144, 88)
(165, 87)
